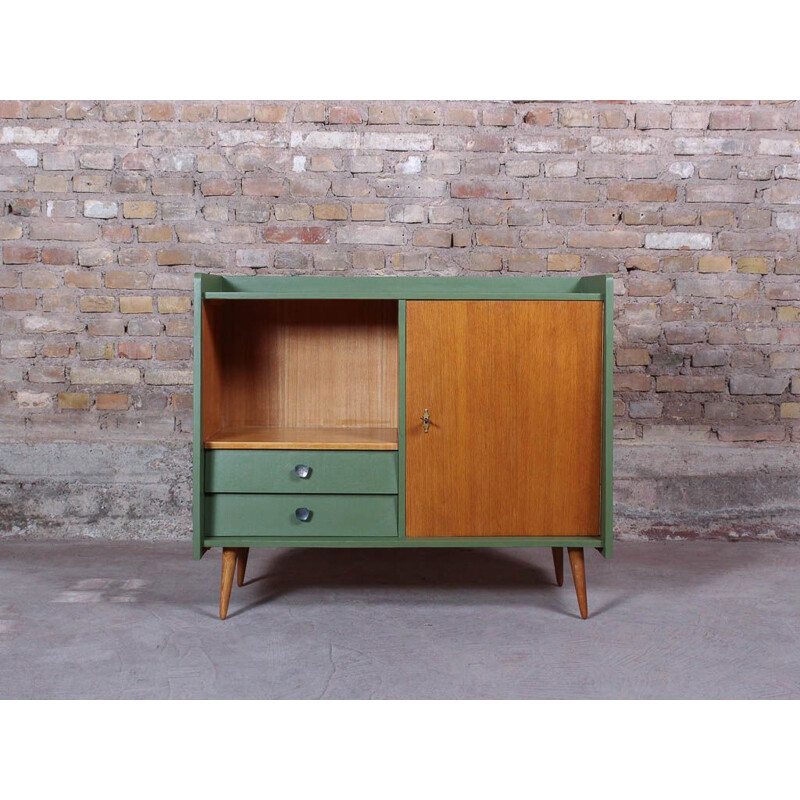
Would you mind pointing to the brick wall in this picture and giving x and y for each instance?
(107, 208)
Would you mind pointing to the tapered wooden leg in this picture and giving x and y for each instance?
(558, 563)
(241, 564)
(226, 584)
(579, 576)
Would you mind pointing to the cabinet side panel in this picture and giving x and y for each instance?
(514, 393)
(212, 316)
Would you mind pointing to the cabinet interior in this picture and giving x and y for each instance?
(314, 374)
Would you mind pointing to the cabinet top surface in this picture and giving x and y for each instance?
(231, 287)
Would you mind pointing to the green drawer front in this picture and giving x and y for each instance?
(275, 515)
(331, 471)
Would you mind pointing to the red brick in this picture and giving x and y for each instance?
(112, 402)
(119, 112)
(270, 113)
(632, 382)
(501, 116)
(642, 192)
(344, 115)
(118, 234)
(197, 112)
(10, 109)
(304, 234)
(384, 115)
(310, 112)
(539, 116)
(158, 112)
(690, 383)
(612, 239)
(564, 192)
(262, 186)
(19, 254)
(173, 256)
(728, 119)
(57, 256)
(456, 115)
(45, 109)
(218, 187)
(234, 112)
(19, 302)
(432, 237)
(491, 189)
(173, 351)
(173, 186)
(495, 237)
(135, 350)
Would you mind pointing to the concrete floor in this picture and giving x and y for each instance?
(138, 620)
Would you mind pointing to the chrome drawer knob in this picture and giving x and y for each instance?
(302, 471)
(303, 514)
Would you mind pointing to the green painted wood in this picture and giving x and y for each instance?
(273, 471)
(421, 293)
(408, 288)
(202, 283)
(401, 417)
(350, 541)
(607, 479)
(198, 474)
(341, 515)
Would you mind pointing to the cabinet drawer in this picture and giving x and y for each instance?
(282, 515)
(280, 471)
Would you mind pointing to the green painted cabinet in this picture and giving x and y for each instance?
(402, 412)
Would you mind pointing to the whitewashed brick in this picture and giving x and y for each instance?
(177, 162)
(58, 160)
(234, 137)
(690, 119)
(411, 166)
(96, 160)
(326, 140)
(253, 258)
(93, 376)
(624, 146)
(708, 147)
(561, 169)
(787, 222)
(30, 158)
(34, 401)
(410, 214)
(443, 164)
(52, 323)
(370, 234)
(365, 164)
(169, 377)
(409, 187)
(397, 141)
(548, 144)
(683, 169)
(100, 209)
(788, 171)
(675, 240)
(754, 172)
(779, 147)
(23, 135)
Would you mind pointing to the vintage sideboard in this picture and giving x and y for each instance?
(403, 412)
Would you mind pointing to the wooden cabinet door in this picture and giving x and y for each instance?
(513, 389)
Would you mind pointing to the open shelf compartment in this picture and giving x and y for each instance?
(300, 374)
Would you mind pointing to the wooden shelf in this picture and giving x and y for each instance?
(265, 438)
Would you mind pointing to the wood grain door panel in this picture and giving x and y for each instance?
(514, 392)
